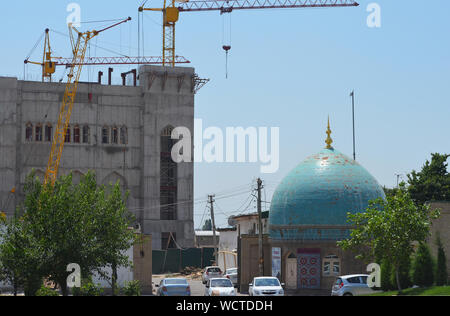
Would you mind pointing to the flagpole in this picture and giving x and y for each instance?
(353, 115)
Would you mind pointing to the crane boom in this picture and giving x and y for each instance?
(227, 6)
(79, 48)
(171, 12)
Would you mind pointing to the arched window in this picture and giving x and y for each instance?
(331, 266)
(114, 135)
(38, 132)
(48, 132)
(105, 135)
(124, 135)
(67, 138)
(85, 134)
(168, 177)
(29, 132)
(76, 134)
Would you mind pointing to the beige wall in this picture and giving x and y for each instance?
(142, 263)
(441, 226)
(249, 254)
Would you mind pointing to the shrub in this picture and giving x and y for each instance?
(45, 291)
(386, 271)
(441, 268)
(88, 288)
(422, 272)
(132, 288)
(404, 274)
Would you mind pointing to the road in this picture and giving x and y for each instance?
(197, 287)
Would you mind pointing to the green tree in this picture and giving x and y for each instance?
(207, 225)
(21, 257)
(422, 271)
(432, 183)
(84, 224)
(388, 228)
(441, 266)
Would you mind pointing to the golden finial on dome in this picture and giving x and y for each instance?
(329, 140)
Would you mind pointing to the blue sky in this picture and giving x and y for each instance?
(288, 69)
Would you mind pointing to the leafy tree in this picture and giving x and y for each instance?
(441, 267)
(422, 272)
(20, 257)
(432, 183)
(388, 228)
(84, 224)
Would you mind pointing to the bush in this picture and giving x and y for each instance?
(404, 275)
(441, 268)
(386, 271)
(45, 291)
(422, 272)
(132, 288)
(88, 288)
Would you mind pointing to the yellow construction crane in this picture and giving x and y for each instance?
(48, 66)
(79, 46)
(171, 10)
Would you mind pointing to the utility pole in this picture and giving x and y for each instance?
(260, 230)
(213, 222)
(353, 115)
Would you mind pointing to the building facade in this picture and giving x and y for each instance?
(308, 216)
(123, 133)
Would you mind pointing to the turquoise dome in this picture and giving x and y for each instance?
(312, 202)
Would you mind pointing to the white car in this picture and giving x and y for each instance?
(266, 286)
(220, 287)
(211, 272)
(351, 285)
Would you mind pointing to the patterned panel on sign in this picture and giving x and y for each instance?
(309, 270)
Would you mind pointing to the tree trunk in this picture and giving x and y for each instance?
(397, 276)
(63, 287)
(114, 279)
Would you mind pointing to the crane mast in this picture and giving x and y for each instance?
(171, 12)
(79, 47)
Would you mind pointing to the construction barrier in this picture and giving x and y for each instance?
(175, 260)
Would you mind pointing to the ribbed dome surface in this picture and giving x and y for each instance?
(312, 202)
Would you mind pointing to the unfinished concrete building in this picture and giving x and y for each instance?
(120, 132)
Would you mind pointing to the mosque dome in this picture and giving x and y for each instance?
(313, 200)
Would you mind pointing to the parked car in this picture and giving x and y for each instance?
(173, 287)
(211, 272)
(266, 286)
(232, 274)
(219, 287)
(351, 285)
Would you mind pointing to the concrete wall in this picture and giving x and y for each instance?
(441, 227)
(164, 97)
(124, 274)
(248, 224)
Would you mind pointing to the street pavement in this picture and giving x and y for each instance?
(197, 287)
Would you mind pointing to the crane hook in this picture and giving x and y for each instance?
(226, 48)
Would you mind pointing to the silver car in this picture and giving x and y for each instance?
(210, 273)
(173, 287)
(232, 274)
(351, 285)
